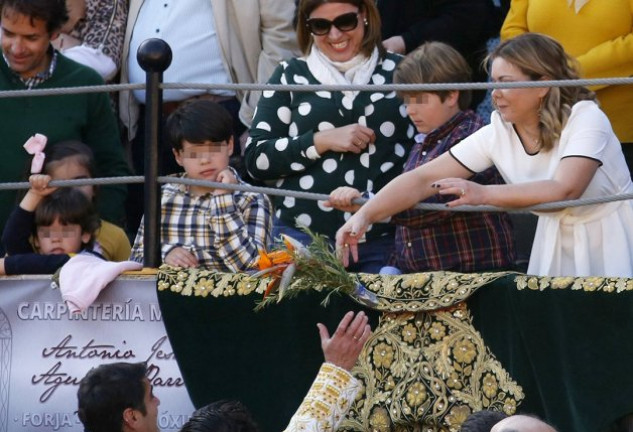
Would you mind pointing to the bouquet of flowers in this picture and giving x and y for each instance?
(293, 268)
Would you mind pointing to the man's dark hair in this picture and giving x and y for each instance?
(482, 421)
(221, 416)
(198, 121)
(107, 391)
(53, 12)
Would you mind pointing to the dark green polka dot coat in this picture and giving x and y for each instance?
(281, 149)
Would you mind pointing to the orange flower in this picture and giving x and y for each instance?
(275, 264)
(280, 257)
(264, 261)
(269, 260)
(279, 265)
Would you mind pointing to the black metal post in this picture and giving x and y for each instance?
(154, 56)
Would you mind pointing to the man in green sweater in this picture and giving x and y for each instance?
(29, 62)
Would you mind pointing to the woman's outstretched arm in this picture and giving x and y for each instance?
(401, 193)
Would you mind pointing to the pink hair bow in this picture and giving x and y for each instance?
(35, 146)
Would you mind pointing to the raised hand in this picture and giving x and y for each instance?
(345, 345)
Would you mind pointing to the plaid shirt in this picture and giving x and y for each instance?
(40, 77)
(455, 241)
(224, 232)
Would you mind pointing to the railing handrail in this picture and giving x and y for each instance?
(107, 88)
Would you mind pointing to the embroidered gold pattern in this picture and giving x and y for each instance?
(425, 368)
(424, 291)
(432, 382)
(203, 283)
(587, 284)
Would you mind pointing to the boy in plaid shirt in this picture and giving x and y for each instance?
(201, 226)
(440, 240)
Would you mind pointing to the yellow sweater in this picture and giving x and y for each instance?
(113, 242)
(599, 36)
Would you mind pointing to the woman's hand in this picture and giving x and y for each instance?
(348, 235)
(467, 192)
(341, 199)
(352, 138)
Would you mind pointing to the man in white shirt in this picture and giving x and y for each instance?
(212, 41)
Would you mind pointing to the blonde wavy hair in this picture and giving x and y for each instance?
(541, 57)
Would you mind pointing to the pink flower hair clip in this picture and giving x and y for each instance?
(35, 146)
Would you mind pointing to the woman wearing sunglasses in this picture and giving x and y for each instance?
(320, 141)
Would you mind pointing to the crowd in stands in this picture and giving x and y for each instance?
(347, 144)
(540, 144)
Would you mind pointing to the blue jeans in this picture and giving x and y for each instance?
(372, 255)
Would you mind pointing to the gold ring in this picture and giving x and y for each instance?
(462, 192)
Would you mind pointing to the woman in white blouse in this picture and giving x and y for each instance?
(549, 144)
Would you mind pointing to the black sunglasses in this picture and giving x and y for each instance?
(321, 26)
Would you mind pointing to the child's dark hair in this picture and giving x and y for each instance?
(434, 63)
(61, 150)
(71, 148)
(198, 121)
(69, 206)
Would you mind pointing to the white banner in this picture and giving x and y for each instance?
(44, 352)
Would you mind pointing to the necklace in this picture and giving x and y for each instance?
(530, 144)
(536, 145)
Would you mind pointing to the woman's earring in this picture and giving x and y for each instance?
(365, 22)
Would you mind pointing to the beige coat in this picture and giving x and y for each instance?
(254, 36)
